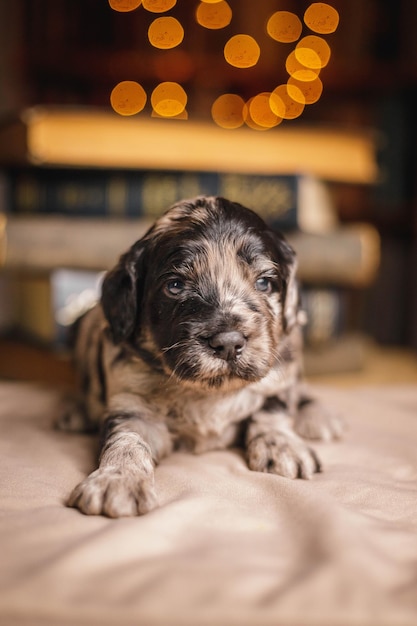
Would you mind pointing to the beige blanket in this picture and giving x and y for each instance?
(227, 546)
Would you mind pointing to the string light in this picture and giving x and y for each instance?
(313, 52)
(242, 51)
(264, 110)
(128, 98)
(168, 99)
(310, 90)
(228, 111)
(283, 105)
(158, 6)
(123, 6)
(321, 18)
(261, 113)
(214, 16)
(249, 121)
(165, 33)
(284, 26)
(299, 71)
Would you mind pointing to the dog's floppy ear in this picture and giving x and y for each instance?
(287, 260)
(121, 292)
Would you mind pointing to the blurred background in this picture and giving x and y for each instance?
(70, 54)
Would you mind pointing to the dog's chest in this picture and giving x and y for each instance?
(210, 422)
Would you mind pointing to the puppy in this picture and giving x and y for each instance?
(196, 343)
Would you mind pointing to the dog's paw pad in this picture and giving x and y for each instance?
(317, 421)
(114, 493)
(279, 453)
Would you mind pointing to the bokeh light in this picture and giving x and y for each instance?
(308, 57)
(158, 6)
(124, 6)
(165, 33)
(298, 70)
(261, 113)
(248, 118)
(242, 51)
(169, 99)
(284, 26)
(283, 105)
(313, 52)
(310, 90)
(321, 18)
(181, 116)
(214, 16)
(128, 98)
(228, 111)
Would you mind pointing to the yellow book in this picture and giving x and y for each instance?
(83, 137)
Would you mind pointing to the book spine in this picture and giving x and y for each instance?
(347, 256)
(51, 136)
(81, 193)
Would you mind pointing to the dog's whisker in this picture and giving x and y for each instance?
(178, 344)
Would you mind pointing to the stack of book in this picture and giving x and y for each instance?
(78, 187)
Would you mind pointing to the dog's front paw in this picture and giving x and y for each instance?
(282, 453)
(115, 493)
(314, 420)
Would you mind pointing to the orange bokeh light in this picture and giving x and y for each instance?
(261, 113)
(310, 90)
(313, 52)
(228, 111)
(124, 6)
(169, 99)
(298, 70)
(283, 105)
(165, 33)
(321, 18)
(242, 51)
(158, 6)
(265, 110)
(214, 16)
(284, 26)
(128, 98)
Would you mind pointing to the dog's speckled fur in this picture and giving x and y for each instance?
(196, 343)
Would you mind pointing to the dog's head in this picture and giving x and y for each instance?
(207, 295)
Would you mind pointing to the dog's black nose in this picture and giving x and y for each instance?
(227, 345)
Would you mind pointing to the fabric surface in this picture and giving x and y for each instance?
(227, 546)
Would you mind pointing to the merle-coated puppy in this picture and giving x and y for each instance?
(196, 343)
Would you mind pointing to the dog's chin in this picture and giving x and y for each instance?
(217, 375)
(216, 383)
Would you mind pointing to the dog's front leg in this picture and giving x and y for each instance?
(272, 446)
(123, 485)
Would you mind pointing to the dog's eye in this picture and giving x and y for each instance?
(174, 287)
(264, 285)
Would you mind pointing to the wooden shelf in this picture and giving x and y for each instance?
(24, 361)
